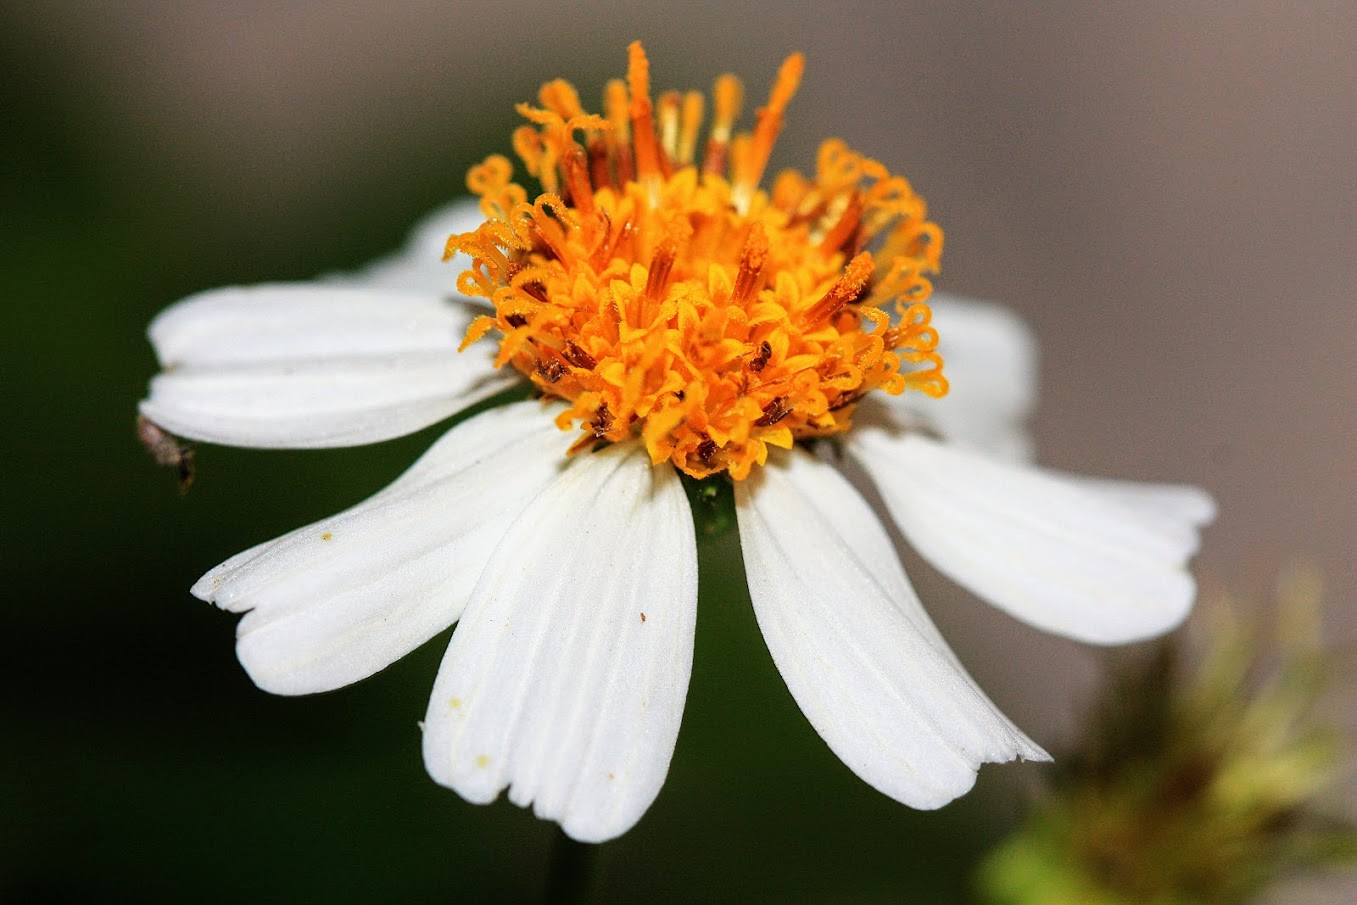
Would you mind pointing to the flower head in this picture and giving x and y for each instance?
(687, 320)
(1203, 777)
(675, 300)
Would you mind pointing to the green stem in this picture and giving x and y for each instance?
(570, 871)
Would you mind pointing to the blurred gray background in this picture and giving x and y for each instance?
(1166, 191)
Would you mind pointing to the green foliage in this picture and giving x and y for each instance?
(1200, 782)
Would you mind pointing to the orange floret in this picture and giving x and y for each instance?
(674, 300)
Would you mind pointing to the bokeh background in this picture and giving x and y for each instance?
(1166, 191)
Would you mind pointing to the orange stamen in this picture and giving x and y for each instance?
(769, 125)
(752, 258)
(685, 307)
(578, 183)
(846, 290)
(642, 121)
(689, 127)
(618, 137)
(669, 108)
(728, 97)
(846, 229)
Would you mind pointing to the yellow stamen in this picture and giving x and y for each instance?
(684, 306)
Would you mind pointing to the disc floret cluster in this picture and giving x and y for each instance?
(669, 297)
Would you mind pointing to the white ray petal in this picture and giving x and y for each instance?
(566, 677)
(857, 650)
(419, 266)
(309, 365)
(336, 601)
(1180, 502)
(1061, 553)
(990, 359)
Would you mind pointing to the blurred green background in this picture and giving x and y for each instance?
(1167, 192)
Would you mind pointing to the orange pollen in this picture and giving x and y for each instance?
(673, 300)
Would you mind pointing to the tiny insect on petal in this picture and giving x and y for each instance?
(167, 450)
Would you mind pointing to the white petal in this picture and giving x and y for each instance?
(308, 365)
(990, 360)
(1181, 502)
(853, 643)
(1058, 552)
(336, 601)
(419, 266)
(566, 677)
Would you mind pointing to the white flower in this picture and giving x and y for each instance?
(573, 577)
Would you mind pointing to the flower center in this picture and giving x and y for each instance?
(673, 300)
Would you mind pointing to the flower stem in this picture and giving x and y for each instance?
(570, 871)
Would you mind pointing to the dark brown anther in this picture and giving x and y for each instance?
(661, 265)
(578, 357)
(535, 289)
(515, 320)
(845, 401)
(773, 412)
(603, 420)
(617, 237)
(706, 451)
(550, 370)
(760, 360)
